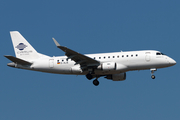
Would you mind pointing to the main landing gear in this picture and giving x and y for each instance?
(89, 76)
(152, 72)
(96, 82)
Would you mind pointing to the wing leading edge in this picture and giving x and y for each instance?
(81, 59)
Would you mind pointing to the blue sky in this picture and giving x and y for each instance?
(94, 26)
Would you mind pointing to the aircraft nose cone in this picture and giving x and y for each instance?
(172, 62)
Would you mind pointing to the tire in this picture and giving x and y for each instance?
(153, 77)
(96, 82)
(89, 76)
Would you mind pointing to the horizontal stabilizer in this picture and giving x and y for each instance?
(17, 60)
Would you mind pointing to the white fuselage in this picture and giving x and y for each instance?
(112, 66)
(125, 61)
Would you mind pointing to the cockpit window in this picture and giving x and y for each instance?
(158, 53)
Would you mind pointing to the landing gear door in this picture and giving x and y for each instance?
(51, 63)
(148, 56)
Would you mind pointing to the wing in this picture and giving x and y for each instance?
(81, 59)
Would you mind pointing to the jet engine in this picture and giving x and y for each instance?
(107, 66)
(117, 77)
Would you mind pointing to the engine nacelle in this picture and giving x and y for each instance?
(117, 77)
(107, 66)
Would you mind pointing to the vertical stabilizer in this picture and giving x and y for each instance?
(22, 48)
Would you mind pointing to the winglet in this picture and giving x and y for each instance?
(57, 44)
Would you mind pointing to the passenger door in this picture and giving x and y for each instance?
(148, 56)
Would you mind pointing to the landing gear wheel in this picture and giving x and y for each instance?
(153, 77)
(96, 82)
(89, 76)
(152, 72)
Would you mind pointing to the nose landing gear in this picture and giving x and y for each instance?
(153, 76)
(152, 72)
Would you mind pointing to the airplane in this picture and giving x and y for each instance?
(112, 66)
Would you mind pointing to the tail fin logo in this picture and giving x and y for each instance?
(21, 46)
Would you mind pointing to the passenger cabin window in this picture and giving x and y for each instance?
(108, 56)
